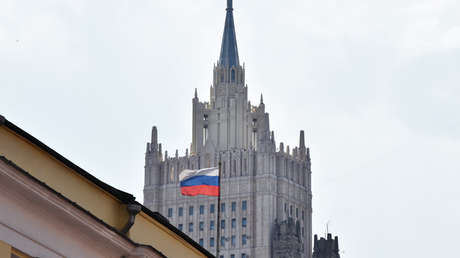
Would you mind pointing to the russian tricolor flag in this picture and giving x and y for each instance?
(200, 182)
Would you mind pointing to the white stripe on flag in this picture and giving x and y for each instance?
(187, 173)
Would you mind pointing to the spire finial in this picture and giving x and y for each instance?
(229, 5)
(261, 98)
(196, 93)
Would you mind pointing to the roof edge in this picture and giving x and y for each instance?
(76, 205)
(119, 194)
(124, 197)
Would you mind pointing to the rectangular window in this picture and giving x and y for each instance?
(297, 213)
(232, 256)
(180, 226)
(244, 240)
(233, 223)
(222, 207)
(233, 240)
(201, 209)
(190, 227)
(211, 242)
(211, 225)
(222, 241)
(243, 222)
(233, 206)
(303, 214)
(201, 242)
(201, 225)
(285, 208)
(205, 135)
(244, 205)
(222, 224)
(170, 212)
(190, 211)
(211, 208)
(290, 210)
(243, 255)
(181, 211)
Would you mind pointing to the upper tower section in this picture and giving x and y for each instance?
(228, 69)
(229, 48)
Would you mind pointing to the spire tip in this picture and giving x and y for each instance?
(229, 5)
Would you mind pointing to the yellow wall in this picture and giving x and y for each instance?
(161, 238)
(66, 181)
(5, 250)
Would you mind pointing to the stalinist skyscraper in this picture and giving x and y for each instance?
(266, 188)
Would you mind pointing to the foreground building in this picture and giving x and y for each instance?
(50, 207)
(266, 191)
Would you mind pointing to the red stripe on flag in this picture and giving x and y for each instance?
(210, 190)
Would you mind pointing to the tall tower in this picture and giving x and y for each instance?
(223, 121)
(266, 191)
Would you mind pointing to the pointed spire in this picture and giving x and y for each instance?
(196, 93)
(261, 98)
(229, 49)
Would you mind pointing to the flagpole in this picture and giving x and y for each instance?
(218, 216)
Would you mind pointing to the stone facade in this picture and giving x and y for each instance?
(260, 185)
(287, 240)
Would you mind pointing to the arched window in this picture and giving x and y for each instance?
(233, 75)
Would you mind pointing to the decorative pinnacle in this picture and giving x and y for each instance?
(302, 139)
(196, 93)
(261, 98)
(154, 139)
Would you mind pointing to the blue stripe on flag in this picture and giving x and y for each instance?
(201, 180)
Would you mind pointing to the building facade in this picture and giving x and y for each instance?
(264, 186)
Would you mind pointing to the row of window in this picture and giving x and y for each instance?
(243, 255)
(223, 240)
(180, 210)
(291, 209)
(244, 223)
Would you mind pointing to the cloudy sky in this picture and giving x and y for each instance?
(375, 85)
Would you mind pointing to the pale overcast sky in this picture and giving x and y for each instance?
(375, 85)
